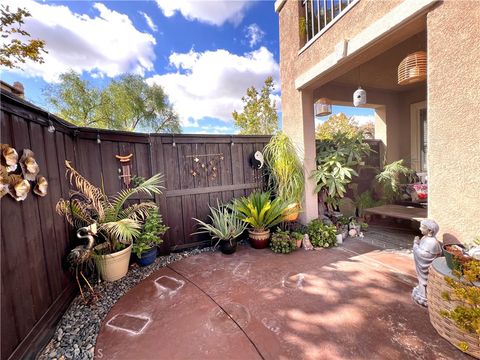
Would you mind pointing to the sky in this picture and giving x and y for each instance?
(205, 54)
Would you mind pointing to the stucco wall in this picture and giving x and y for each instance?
(454, 119)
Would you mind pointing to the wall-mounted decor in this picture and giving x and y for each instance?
(206, 167)
(17, 180)
(256, 160)
(126, 170)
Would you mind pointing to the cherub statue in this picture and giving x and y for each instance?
(425, 250)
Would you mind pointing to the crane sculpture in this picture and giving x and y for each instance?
(80, 256)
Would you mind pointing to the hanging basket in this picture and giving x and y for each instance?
(323, 107)
(413, 68)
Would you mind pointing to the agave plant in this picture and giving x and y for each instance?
(117, 225)
(225, 225)
(259, 211)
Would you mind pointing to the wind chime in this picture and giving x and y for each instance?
(126, 170)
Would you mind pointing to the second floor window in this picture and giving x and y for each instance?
(319, 13)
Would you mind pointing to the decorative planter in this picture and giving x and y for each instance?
(259, 239)
(292, 211)
(339, 238)
(114, 266)
(147, 257)
(228, 247)
(449, 257)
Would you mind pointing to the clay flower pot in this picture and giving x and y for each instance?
(259, 239)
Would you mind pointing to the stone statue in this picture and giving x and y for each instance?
(425, 250)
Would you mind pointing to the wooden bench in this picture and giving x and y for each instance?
(399, 212)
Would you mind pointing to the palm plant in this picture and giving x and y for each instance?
(117, 225)
(258, 211)
(225, 224)
(286, 177)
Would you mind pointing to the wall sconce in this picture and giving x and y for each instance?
(98, 139)
(323, 107)
(413, 68)
(359, 97)
(51, 128)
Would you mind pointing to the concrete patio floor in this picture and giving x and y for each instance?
(349, 302)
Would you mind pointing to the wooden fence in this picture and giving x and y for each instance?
(36, 286)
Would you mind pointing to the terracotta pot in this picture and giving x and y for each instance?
(113, 266)
(259, 239)
(292, 210)
(299, 243)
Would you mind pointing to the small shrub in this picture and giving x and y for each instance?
(151, 233)
(282, 243)
(321, 235)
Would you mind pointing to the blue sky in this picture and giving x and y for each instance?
(204, 53)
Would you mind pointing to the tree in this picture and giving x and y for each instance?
(127, 103)
(335, 124)
(75, 100)
(15, 51)
(259, 116)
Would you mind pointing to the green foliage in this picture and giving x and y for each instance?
(321, 235)
(259, 211)
(391, 178)
(295, 235)
(137, 180)
(285, 168)
(152, 230)
(126, 104)
(225, 224)
(337, 125)
(259, 116)
(14, 50)
(466, 315)
(117, 224)
(364, 201)
(282, 242)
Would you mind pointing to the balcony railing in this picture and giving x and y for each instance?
(320, 15)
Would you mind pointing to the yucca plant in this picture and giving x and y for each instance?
(117, 225)
(259, 211)
(225, 224)
(286, 176)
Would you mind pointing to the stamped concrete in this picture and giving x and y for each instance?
(349, 302)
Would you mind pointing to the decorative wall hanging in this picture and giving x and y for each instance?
(41, 187)
(205, 167)
(30, 168)
(10, 157)
(359, 97)
(256, 160)
(323, 107)
(126, 170)
(413, 68)
(17, 180)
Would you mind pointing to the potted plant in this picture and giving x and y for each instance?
(282, 242)
(145, 246)
(226, 227)
(117, 225)
(261, 213)
(286, 175)
(297, 237)
(320, 234)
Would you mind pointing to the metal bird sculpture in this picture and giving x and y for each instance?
(81, 255)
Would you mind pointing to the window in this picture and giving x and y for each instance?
(320, 13)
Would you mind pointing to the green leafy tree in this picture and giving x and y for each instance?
(337, 124)
(14, 50)
(259, 116)
(76, 100)
(127, 103)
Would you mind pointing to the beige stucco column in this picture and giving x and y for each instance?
(301, 129)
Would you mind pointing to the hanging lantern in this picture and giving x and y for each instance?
(359, 97)
(413, 68)
(323, 107)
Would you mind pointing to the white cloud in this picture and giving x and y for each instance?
(210, 12)
(254, 34)
(149, 21)
(104, 45)
(364, 119)
(212, 83)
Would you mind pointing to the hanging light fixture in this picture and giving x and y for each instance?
(323, 107)
(413, 68)
(359, 97)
